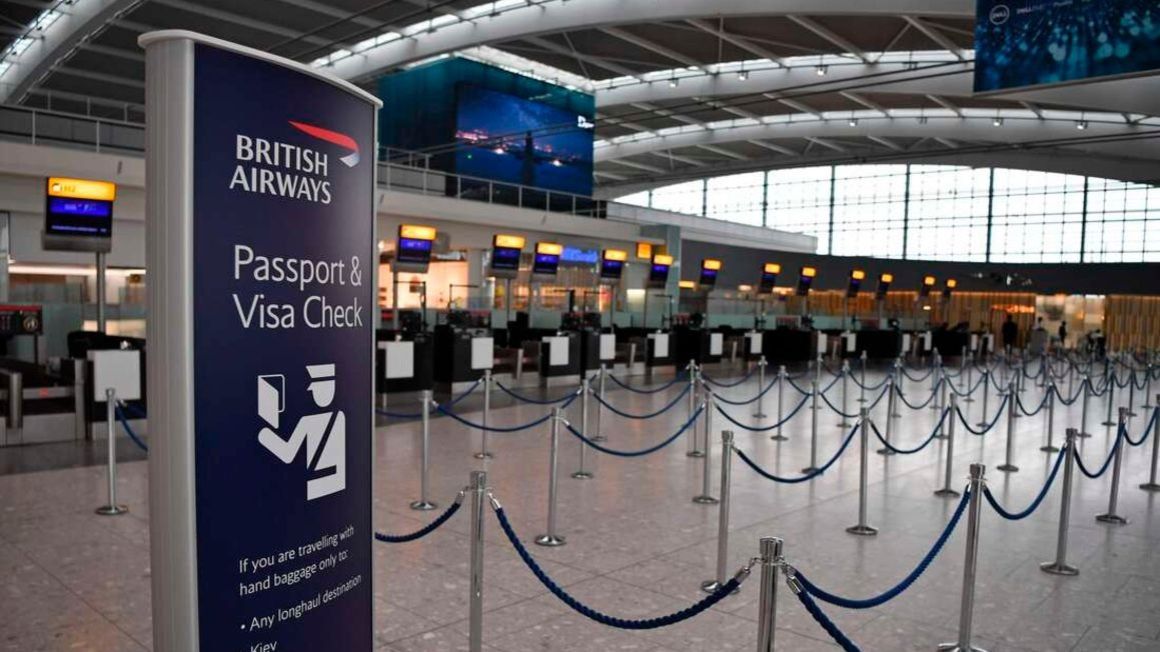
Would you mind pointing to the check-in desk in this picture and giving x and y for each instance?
(461, 357)
(951, 343)
(560, 359)
(880, 344)
(786, 345)
(658, 350)
(404, 362)
(703, 346)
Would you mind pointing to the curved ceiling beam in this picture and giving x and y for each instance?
(553, 16)
(77, 23)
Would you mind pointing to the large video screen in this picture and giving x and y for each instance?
(1023, 43)
(512, 140)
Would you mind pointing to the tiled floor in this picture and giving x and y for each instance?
(638, 546)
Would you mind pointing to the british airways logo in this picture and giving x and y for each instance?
(282, 169)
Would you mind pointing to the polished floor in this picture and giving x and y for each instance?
(638, 546)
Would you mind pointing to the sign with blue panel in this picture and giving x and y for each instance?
(282, 265)
(1027, 43)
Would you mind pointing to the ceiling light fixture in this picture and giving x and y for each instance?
(743, 75)
(822, 70)
(997, 122)
(674, 82)
(1081, 124)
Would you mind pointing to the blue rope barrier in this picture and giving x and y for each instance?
(743, 379)
(627, 415)
(655, 390)
(135, 411)
(526, 426)
(920, 378)
(1107, 463)
(603, 619)
(969, 392)
(129, 430)
(416, 415)
(799, 389)
(894, 592)
(534, 401)
(925, 403)
(424, 531)
(1147, 429)
(869, 388)
(1073, 399)
(641, 453)
(983, 431)
(926, 442)
(1018, 516)
(752, 400)
(809, 476)
(836, 410)
(831, 385)
(737, 423)
(1019, 403)
(824, 621)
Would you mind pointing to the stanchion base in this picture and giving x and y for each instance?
(483, 456)
(982, 424)
(705, 500)
(1056, 568)
(582, 475)
(695, 454)
(1049, 449)
(599, 438)
(1007, 468)
(810, 469)
(423, 506)
(1017, 416)
(712, 586)
(955, 647)
(863, 530)
(968, 399)
(112, 510)
(896, 415)
(779, 438)
(947, 493)
(760, 415)
(550, 540)
(940, 436)
(1131, 414)
(885, 451)
(1113, 519)
(1109, 423)
(845, 424)
(862, 400)
(1083, 435)
(1150, 486)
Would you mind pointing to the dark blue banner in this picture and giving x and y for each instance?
(283, 247)
(1023, 43)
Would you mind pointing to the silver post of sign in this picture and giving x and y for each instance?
(862, 529)
(478, 491)
(599, 434)
(813, 428)
(760, 414)
(970, 566)
(424, 504)
(1060, 565)
(693, 451)
(552, 539)
(845, 392)
(112, 508)
(102, 273)
(886, 450)
(1086, 385)
(1111, 384)
(1008, 466)
(771, 565)
(1152, 484)
(986, 384)
(782, 379)
(1050, 447)
(862, 385)
(947, 490)
(1117, 463)
(723, 514)
(706, 497)
(483, 453)
(582, 473)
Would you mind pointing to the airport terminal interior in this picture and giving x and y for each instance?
(579, 325)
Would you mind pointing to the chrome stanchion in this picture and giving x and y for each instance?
(1111, 384)
(1060, 565)
(723, 514)
(693, 451)
(1148, 386)
(862, 386)
(845, 391)
(1132, 394)
(424, 504)
(483, 453)
(900, 384)
(1012, 407)
(1086, 384)
(813, 429)
(947, 490)
(478, 489)
(705, 498)
(862, 529)
(111, 508)
(1152, 484)
(1117, 462)
(937, 386)
(582, 473)
(970, 383)
(782, 379)
(761, 363)
(941, 434)
(552, 539)
(986, 384)
(886, 450)
(771, 564)
(970, 566)
(1050, 447)
(599, 434)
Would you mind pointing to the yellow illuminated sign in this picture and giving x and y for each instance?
(81, 189)
(644, 250)
(952, 284)
(615, 254)
(857, 275)
(549, 248)
(809, 272)
(509, 241)
(711, 264)
(772, 268)
(416, 232)
(928, 280)
(886, 278)
(663, 259)
(688, 285)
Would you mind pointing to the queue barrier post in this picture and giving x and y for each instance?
(1060, 565)
(1050, 447)
(1117, 462)
(111, 508)
(813, 429)
(772, 560)
(781, 382)
(424, 504)
(552, 538)
(947, 490)
(478, 489)
(483, 453)
(582, 473)
(722, 577)
(761, 363)
(1152, 484)
(706, 496)
(862, 528)
(970, 566)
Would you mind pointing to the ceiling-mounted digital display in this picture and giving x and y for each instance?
(805, 280)
(769, 273)
(612, 264)
(78, 214)
(710, 268)
(949, 287)
(506, 251)
(856, 278)
(884, 282)
(658, 273)
(927, 285)
(413, 248)
(547, 259)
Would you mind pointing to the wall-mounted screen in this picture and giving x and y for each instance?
(769, 272)
(611, 269)
(505, 138)
(413, 248)
(413, 251)
(505, 259)
(547, 259)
